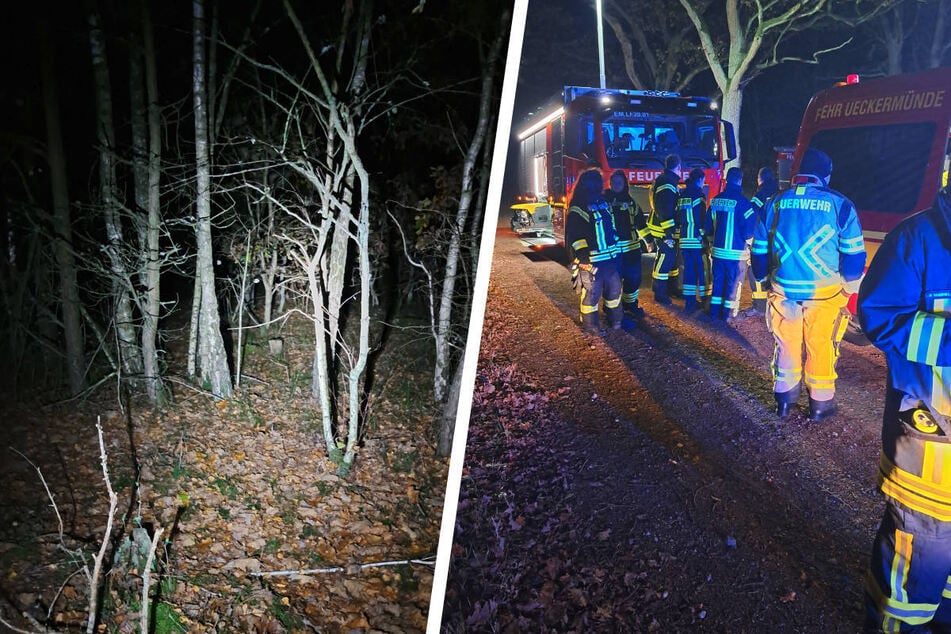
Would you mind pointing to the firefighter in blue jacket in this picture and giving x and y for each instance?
(730, 223)
(661, 225)
(591, 236)
(808, 247)
(767, 188)
(632, 230)
(690, 221)
(905, 310)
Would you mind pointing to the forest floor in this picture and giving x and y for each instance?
(242, 489)
(641, 482)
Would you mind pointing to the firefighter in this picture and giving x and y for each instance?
(904, 309)
(661, 225)
(632, 230)
(691, 219)
(591, 236)
(808, 248)
(766, 189)
(730, 223)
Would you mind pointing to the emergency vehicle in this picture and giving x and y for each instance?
(631, 130)
(889, 140)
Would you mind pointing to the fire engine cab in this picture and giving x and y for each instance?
(631, 130)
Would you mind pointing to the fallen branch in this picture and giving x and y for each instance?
(40, 629)
(101, 556)
(147, 581)
(429, 561)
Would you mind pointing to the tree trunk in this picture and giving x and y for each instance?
(443, 325)
(62, 227)
(152, 370)
(730, 111)
(212, 359)
(450, 411)
(130, 361)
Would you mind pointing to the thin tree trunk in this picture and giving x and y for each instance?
(447, 424)
(131, 362)
(212, 358)
(62, 227)
(443, 326)
(152, 368)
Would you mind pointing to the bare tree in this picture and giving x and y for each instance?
(744, 38)
(658, 45)
(122, 314)
(913, 35)
(146, 169)
(211, 360)
(62, 223)
(469, 186)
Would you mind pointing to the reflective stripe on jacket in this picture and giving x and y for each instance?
(591, 233)
(730, 220)
(809, 243)
(664, 195)
(691, 217)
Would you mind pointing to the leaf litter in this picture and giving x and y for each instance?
(245, 489)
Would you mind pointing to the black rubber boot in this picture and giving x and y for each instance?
(660, 293)
(590, 323)
(821, 410)
(690, 305)
(785, 401)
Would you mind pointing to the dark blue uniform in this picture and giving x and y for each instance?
(592, 237)
(632, 230)
(691, 220)
(661, 225)
(730, 221)
(905, 309)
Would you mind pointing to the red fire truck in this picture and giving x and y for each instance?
(889, 143)
(612, 129)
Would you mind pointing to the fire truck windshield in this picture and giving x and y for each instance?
(642, 140)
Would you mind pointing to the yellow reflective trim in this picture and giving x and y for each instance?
(934, 342)
(935, 492)
(937, 462)
(587, 310)
(889, 606)
(941, 390)
(914, 339)
(898, 574)
(579, 244)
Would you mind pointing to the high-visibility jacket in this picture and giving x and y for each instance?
(664, 195)
(591, 233)
(730, 220)
(905, 310)
(629, 220)
(691, 217)
(808, 243)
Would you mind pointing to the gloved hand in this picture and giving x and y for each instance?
(582, 276)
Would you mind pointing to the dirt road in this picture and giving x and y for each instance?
(642, 482)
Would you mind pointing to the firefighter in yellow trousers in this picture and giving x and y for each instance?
(808, 248)
(904, 308)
